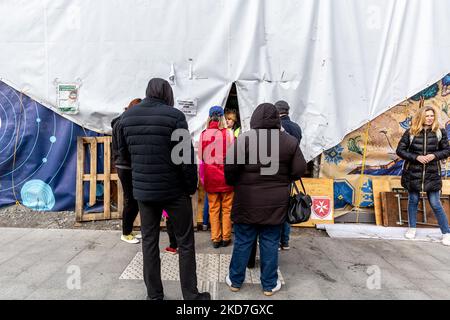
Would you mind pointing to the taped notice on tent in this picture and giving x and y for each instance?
(67, 95)
(188, 106)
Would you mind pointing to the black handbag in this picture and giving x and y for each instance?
(299, 205)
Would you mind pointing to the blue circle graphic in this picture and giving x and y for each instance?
(38, 120)
(44, 160)
(100, 190)
(37, 195)
(52, 139)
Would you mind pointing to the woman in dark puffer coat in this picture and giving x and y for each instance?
(422, 147)
(261, 198)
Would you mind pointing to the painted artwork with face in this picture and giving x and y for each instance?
(383, 136)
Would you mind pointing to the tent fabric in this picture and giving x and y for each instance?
(338, 63)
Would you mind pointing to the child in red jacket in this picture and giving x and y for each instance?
(213, 145)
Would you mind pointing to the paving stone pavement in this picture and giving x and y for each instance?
(90, 264)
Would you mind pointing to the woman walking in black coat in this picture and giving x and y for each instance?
(261, 198)
(422, 147)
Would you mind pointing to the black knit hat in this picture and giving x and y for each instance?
(282, 107)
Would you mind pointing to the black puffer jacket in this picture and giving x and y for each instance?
(147, 129)
(417, 176)
(263, 199)
(116, 155)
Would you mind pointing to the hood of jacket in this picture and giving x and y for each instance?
(160, 89)
(114, 121)
(265, 116)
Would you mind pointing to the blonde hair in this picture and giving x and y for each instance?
(231, 115)
(419, 119)
(222, 122)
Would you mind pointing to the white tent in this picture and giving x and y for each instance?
(339, 63)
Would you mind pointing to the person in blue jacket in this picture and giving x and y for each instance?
(294, 130)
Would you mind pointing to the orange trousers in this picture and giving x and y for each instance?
(220, 231)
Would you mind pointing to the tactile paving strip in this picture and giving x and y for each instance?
(211, 268)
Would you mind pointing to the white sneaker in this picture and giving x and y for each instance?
(228, 282)
(446, 239)
(276, 289)
(129, 239)
(411, 233)
(137, 235)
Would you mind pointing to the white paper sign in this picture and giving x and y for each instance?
(188, 106)
(67, 95)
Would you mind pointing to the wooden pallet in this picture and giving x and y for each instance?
(109, 177)
(93, 178)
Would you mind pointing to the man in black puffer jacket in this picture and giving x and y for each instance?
(159, 184)
(294, 130)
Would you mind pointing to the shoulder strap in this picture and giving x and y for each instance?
(296, 188)
(439, 135)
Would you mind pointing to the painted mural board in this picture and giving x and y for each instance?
(343, 162)
(321, 192)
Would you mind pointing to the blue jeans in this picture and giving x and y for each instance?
(206, 211)
(269, 240)
(285, 231)
(435, 203)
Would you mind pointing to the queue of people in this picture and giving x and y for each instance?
(239, 197)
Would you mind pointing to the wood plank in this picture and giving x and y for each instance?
(379, 185)
(93, 174)
(99, 216)
(383, 207)
(88, 140)
(103, 139)
(79, 186)
(101, 177)
(107, 181)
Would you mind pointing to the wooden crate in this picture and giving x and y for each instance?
(93, 178)
(109, 177)
(395, 210)
(387, 184)
(379, 185)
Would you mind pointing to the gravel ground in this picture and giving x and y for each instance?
(22, 217)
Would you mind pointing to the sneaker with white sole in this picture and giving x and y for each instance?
(129, 239)
(411, 233)
(228, 282)
(276, 289)
(137, 235)
(446, 239)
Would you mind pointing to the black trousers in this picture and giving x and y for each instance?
(130, 205)
(171, 234)
(181, 216)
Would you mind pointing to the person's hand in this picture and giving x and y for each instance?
(422, 159)
(430, 157)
